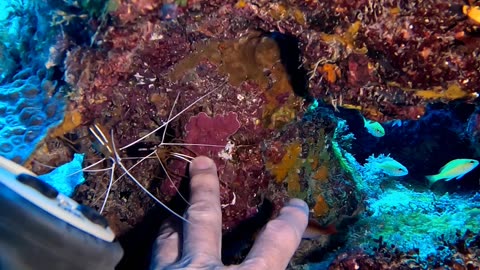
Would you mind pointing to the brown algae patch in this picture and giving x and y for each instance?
(254, 58)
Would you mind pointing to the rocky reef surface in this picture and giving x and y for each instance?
(274, 92)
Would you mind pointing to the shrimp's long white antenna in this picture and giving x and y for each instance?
(187, 158)
(137, 163)
(155, 148)
(173, 118)
(120, 164)
(171, 181)
(195, 144)
(88, 167)
(110, 183)
(134, 165)
(144, 158)
(97, 170)
(169, 116)
(161, 143)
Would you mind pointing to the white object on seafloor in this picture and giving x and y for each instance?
(60, 206)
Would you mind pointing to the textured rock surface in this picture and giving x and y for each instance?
(27, 112)
(240, 66)
(31, 92)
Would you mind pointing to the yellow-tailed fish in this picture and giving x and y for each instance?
(392, 168)
(456, 168)
(373, 127)
(386, 165)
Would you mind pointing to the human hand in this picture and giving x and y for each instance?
(199, 247)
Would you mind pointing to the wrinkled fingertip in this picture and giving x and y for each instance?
(296, 213)
(203, 234)
(202, 163)
(300, 204)
(278, 241)
(296, 208)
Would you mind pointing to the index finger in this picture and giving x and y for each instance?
(202, 236)
(278, 241)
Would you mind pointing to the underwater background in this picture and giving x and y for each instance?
(367, 110)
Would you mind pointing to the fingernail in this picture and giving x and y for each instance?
(202, 163)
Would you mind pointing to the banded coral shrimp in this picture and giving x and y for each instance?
(114, 156)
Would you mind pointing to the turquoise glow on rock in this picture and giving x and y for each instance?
(66, 177)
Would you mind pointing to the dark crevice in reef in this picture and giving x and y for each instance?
(291, 58)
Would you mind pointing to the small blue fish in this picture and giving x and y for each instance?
(397, 123)
(373, 127)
